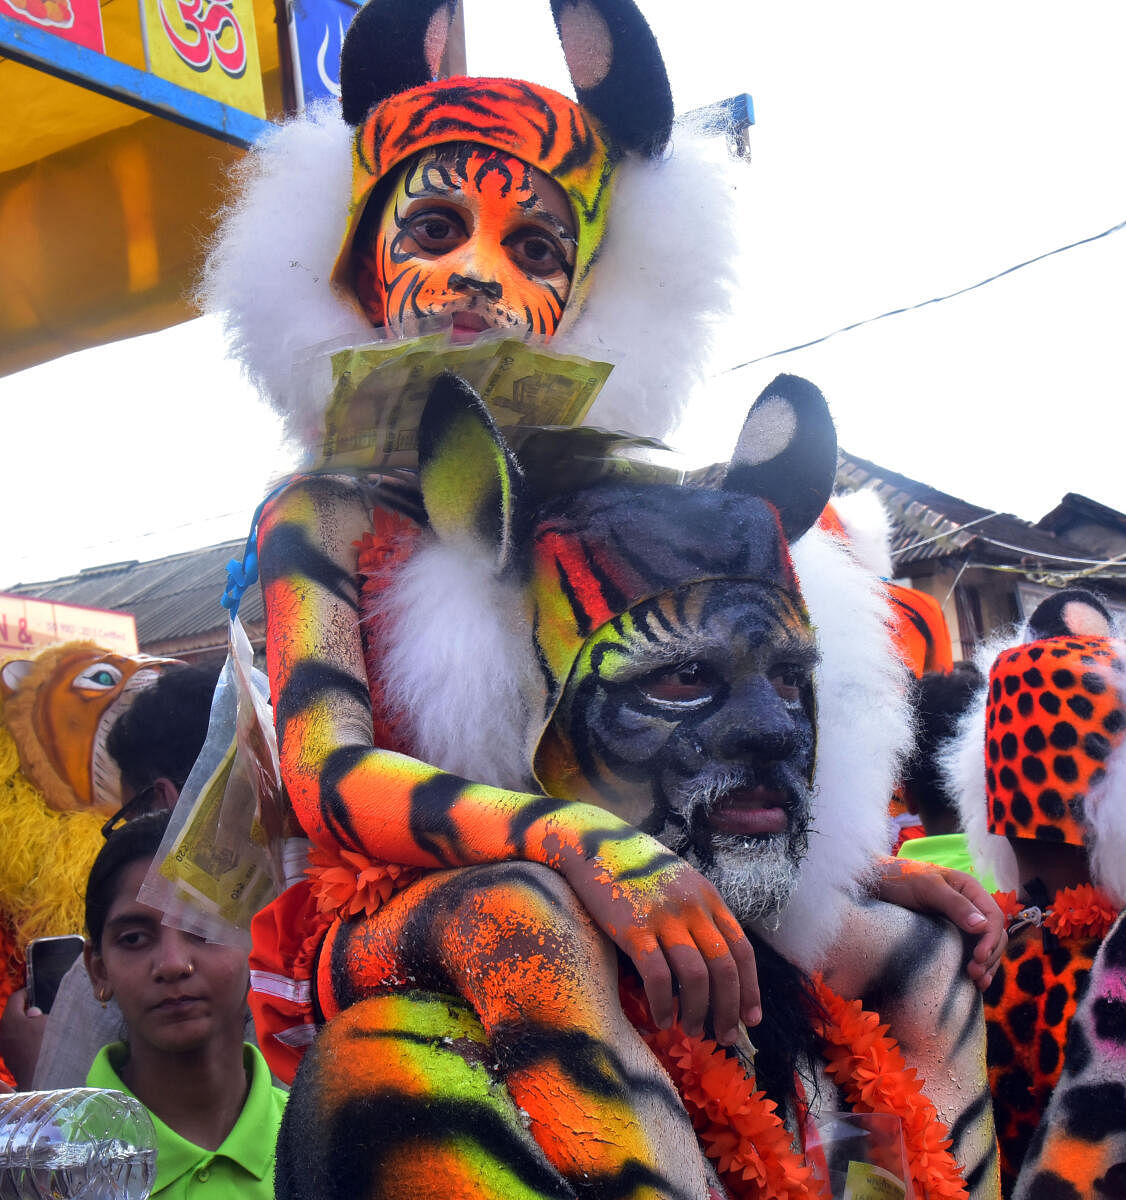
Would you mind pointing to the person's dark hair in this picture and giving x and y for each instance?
(134, 840)
(939, 699)
(162, 732)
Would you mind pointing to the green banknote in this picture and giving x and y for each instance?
(379, 393)
(222, 870)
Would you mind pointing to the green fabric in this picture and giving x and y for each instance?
(945, 850)
(243, 1166)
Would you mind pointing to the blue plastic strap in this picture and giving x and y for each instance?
(244, 574)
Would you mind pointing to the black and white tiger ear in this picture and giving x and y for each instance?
(1073, 611)
(617, 70)
(391, 45)
(787, 453)
(471, 484)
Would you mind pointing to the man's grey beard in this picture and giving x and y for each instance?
(755, 876)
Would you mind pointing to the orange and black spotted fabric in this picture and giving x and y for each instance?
(1079, 1150)
(1028, 1008)
(1055, 713)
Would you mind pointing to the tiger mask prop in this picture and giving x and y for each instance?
(60, 708)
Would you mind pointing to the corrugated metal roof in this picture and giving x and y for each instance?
(929, 524)
(171, 598)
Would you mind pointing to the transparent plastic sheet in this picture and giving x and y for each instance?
(859, 1156)
(221, 857)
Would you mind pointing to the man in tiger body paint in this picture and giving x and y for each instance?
(1038, 770)
(393, 268)
(674, 690)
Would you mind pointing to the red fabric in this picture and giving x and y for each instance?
(286, 935)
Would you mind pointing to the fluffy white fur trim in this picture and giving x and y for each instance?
(863, 731)
(458, 666)
(962, 765)
(267, 271)
(1106, 815)
(868, 525)
(665, 273)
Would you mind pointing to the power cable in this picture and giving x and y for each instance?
(895, 312)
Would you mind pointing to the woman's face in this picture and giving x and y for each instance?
(478, 237)
(176, 991)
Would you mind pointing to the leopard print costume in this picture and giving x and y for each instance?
(1079, 1148)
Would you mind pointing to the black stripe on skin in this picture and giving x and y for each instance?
(655, 864)
(901, 970)
(350, 1146)
(966, 1118)
(339, 764)
(593, 840)
(986, 1168)
(970, 1030)
(287, 552)
(310, 682)
(430, 818)
(592, 1065)
(583, 622)
(531, 813)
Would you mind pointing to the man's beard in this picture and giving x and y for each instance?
(755, 875)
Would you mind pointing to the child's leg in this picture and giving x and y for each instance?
(515, 943)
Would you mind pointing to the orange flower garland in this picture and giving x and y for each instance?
(1080, 912)
(740, 1129)
(345, 884)
(870, 1070)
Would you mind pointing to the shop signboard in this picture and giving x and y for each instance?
(206, 46)
(316, 33)
(28, 625)
(78, 21)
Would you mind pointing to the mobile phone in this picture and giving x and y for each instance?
(48, 960)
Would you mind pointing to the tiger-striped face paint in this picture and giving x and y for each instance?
(473, 235)
(691, 717)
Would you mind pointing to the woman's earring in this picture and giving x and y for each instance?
(103, 995)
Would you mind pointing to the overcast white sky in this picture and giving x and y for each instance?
(902, 151)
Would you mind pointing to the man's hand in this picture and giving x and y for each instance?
(21, 1031)
(674, 927)
(923, 887)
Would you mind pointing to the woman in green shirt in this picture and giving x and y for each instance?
(183, 1001)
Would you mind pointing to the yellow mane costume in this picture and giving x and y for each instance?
(58, 785)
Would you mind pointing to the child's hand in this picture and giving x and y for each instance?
(675, 928)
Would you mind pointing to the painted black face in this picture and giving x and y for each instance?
(691, 716)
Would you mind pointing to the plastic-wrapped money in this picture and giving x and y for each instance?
(379, 393)
(220, 859)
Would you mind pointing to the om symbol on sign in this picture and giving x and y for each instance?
(210, 19)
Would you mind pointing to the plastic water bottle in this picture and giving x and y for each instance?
(75, 1144)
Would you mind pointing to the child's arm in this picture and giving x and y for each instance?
(347, 792)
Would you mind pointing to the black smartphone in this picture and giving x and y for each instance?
(48, 960)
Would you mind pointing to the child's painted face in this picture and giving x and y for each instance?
(475, 236)
(176, 991)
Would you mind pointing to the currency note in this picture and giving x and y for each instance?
(379, 393)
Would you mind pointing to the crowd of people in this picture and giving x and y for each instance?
(589, 763)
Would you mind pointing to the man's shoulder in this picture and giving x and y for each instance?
(882, 945)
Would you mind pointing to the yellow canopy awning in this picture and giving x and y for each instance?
(104, 210)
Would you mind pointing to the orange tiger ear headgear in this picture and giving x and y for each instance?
(389, 94)
(1055, 714)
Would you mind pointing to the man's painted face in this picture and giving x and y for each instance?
(691, 717)
(473, 235)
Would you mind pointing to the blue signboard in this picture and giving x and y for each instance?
(316, 33)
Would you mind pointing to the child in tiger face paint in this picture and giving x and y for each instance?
(472, 235)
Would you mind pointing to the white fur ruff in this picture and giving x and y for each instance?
(1106, 813)
(868, 525)
(458, 667)
(863, 731)
(665, 273)
(962, 764)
